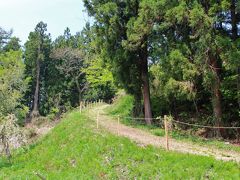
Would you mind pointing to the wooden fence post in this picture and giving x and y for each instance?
(97, 118)
(118, 125)
(166, 131)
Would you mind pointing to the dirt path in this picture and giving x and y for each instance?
(144, 138)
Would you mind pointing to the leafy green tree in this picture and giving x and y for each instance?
(71, 65)
(12, 84)
(193, 52)
(100, 80)
(12, 44)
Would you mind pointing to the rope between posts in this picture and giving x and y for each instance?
(129, 117)
(139, 118)
(198, 125)
(180, 122)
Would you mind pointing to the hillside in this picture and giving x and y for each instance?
(75, 148)
(123, 89)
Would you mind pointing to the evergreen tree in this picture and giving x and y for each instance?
(129, 66)
(37, 50)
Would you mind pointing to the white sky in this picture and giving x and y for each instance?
(23, 15)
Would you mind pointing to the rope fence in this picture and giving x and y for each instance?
(167, 124)
(203, 126)
(165, 121)
(180, 122)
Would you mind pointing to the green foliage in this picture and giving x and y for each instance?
(94, 155)
(100, 80)
(111, 29)
(122, 106)
(12, 44)
(70, 70)
(12, 84)
(70, 64)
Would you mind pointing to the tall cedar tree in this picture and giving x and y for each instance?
(36, 50)
(130, 66)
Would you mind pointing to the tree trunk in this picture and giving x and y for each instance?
(79, 91)
(238, 87)
(216, 93)
(35, 110)
(145, 86)
(234, 23)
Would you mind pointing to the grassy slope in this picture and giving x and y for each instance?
(76, 150)
(123, 107)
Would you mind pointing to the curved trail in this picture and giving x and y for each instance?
(144, 138)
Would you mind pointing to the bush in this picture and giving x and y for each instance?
(11, 135)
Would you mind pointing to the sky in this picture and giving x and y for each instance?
(23, 15)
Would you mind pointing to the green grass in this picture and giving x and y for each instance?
(123, 106)
(74, 149)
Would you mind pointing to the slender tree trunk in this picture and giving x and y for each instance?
(234, 23)
(238, 87)
(145, 86)
(216, 93)
(79, 91)
(35, 110)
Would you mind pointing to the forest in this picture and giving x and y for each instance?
(179, 58)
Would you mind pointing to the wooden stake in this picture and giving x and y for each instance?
(166, 131)
(118, 125)
(97, 119)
